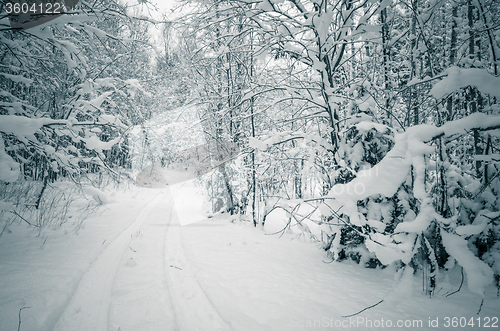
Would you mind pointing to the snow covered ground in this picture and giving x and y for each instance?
(133, 266)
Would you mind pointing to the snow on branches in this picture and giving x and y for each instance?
(408, 164)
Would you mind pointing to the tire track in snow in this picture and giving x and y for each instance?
(141, 299)
(88, 307)
(193, 309)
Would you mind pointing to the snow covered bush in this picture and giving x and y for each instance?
(60, 203)
(365, 143)
(390, 212)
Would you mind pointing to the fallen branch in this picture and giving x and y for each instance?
(461, 283)
(19, 325)
(362, 310)
(17, 214)
(480, 306)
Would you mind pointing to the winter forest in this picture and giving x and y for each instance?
(250, 165)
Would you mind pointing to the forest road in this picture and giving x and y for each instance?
(142, 281)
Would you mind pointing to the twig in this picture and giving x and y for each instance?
(17, 214)
(480, 306)
(5, 228)
(461, 283)
(39, 199)
(173, 266)
(132, 249)
(19, 325)
(362, 310)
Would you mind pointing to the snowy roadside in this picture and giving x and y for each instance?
(259, 282)
(206, 275)
(42, 270)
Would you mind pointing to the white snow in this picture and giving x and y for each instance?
(459, 78)
(488, 158)
(257, 144)
(367, 125)
(383, 178)
(478, 225)
(479, 274)
(473, 121)
(5, 206)
(386, 177)
(277, 221)
(97, 102)
(23, 126)
(193, 209)
(96, 31)
(134, 267)
(93, 142)
(17, 78)
(9, 169)
(97, 194)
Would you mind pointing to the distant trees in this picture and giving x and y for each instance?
(68, 93)
(221, 65)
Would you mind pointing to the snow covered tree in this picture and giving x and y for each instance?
(355, 89)
(64, 104)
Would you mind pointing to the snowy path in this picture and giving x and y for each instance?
(89, 306)
(128, 286)
(141, 297)
(152, 274)
(194, 310)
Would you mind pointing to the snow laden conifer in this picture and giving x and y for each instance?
(392, 212)
(362, 146)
